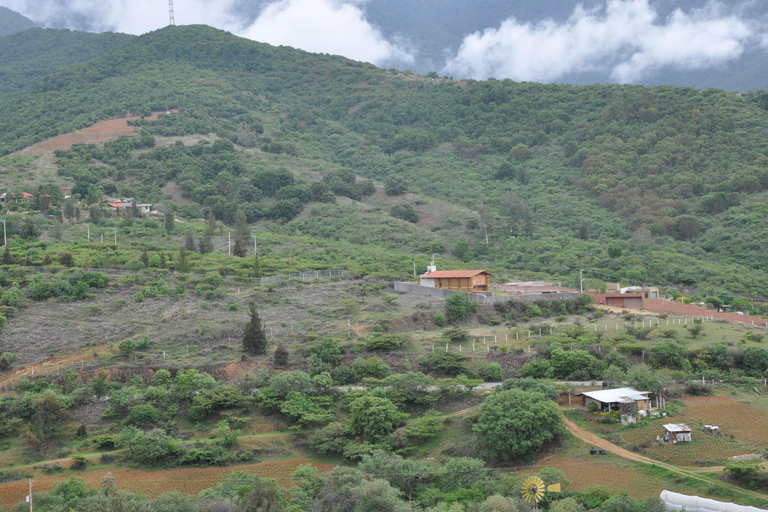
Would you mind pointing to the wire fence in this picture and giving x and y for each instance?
(302, 276)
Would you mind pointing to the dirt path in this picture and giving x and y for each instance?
(701, 474)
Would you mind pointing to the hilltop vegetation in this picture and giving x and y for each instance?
(11, 21)
(29, 55)
(671, 178)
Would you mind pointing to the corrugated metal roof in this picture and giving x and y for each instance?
(677, 427)
(618, 395)
(443, 274)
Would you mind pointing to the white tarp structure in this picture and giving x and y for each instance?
(618, 395)
(679, 431)
(675, 501)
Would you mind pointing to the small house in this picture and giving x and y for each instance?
(619, 399)
(677, 433)
(144, 208)
(25, 197)
(458, 280)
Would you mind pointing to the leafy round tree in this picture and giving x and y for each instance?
(395, 185)
(515, 424)
(374, 417)
(254, 337)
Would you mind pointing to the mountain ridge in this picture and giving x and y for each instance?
(574, 169)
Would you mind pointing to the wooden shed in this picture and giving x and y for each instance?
(458, 280)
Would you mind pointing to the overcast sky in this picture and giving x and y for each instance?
(624, 38)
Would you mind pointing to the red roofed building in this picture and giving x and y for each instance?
(459, 280)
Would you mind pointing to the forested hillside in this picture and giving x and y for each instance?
(669, 179)
(29, 55)
(11, 21)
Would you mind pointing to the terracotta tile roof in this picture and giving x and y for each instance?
(443, 274)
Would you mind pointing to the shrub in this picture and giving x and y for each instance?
(329, 439)
(442, 362)
(134, 265)
(457, 306)
(79, 463)
(143, 415)
(405, 212)
(383, 343)
(127, 347)
(213, 279)
(696, 388)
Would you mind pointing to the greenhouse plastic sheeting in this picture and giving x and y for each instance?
(675, 501)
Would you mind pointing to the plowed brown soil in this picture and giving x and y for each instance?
(98, 133)
(188, 481)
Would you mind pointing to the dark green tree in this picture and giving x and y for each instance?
(534, 419)
(69, 210)
(170, 220)
(189, 243)
(374, 417)
(263, 497)
(254, 335)
(182, 262)
(281, 356)
(395, 185)
(96, 213)
(584, 231)
(256, 266)
(8, 258)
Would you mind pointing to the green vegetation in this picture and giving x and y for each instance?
(175, 353)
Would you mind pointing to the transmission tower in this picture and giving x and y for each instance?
(171, 21)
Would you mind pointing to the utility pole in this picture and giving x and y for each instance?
(254, 244)
(581, 280)
(29, 498)
(89, 231)
(115, 230)
(5, 238)
(229, 242)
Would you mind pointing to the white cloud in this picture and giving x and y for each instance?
(625, 38)
(325, 26)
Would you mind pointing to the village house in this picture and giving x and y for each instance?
(649, 292)
(458, 280)
(24, 198)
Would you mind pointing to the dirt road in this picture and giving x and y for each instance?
(701, 474)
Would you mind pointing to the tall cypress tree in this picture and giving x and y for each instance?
(254, 336)
(170, 220)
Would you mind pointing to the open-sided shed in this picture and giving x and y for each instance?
(617, 399)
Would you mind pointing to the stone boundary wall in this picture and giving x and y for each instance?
(692, 310)
(482, 299)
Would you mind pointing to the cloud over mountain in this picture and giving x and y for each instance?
(325, 26)
(626, 39)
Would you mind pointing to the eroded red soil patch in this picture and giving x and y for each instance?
(98, 133)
